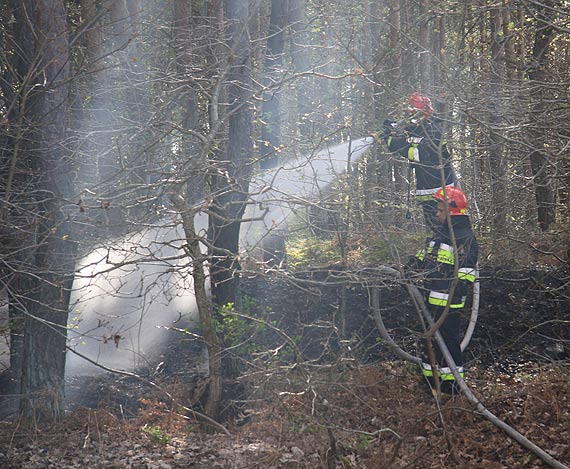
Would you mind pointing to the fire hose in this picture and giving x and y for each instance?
(375, 303)
(418, 300)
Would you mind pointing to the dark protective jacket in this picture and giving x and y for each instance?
(437, 261)
(422, 144)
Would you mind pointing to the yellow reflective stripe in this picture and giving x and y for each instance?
(431, 191)
(436, 302)
(426, 194)
(443, 373)
(421, 255)
(426, 370)
(445, 254)
(466, 273)
(429, 248)
(425, 251)
(414, 153)
(449, 376)
(437, 298)
(389, 140)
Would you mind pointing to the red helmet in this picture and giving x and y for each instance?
(419, 102)
(456, 200)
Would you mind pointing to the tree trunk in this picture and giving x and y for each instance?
(537, 132)
(497, 164)
(423, 38)
(301, 64)
(99, 166)
(205, 309)
(43, 28)
(231, 183)
(183, 23)
(122, 28)
(271, 111)
(400, 168)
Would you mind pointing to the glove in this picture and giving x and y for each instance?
(387, 129)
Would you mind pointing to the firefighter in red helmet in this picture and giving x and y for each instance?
(436, 265)
(418, 137)
(419, 102)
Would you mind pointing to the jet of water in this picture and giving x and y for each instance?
(127, 297)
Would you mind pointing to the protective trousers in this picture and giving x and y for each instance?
(451, 333)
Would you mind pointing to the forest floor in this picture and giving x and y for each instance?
(362, 410)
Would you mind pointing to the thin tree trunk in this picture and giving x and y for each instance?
(423, 39)
(271, 108)
(183, 22)
(497, 164)
(301, 63)
(205, 309)
(537, 132)
(395, 79)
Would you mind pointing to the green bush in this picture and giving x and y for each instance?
(238, 332)
(308, 250)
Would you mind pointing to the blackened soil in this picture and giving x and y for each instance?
(349, 403)
(523, 319)
(523, 315)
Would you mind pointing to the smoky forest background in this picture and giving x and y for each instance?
(161, 258)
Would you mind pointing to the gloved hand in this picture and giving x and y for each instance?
(412, 269)
(388, 127)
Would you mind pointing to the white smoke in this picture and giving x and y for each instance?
(278, 192)
(127, 296)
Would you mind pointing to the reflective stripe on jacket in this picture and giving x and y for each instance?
(422, 145)
(438, 258)
(444, 373)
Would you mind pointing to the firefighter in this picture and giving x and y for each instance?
(418, 138)
(436, 263)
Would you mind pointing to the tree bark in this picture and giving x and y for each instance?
(399, 168)
(231, 182)
(271, 108)
(540, 165)
(205, 309)
(183, 22)
(497, 164)
(423, 39)
(43, 28)
(301, 63)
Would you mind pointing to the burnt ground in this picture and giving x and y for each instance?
(338, 398)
